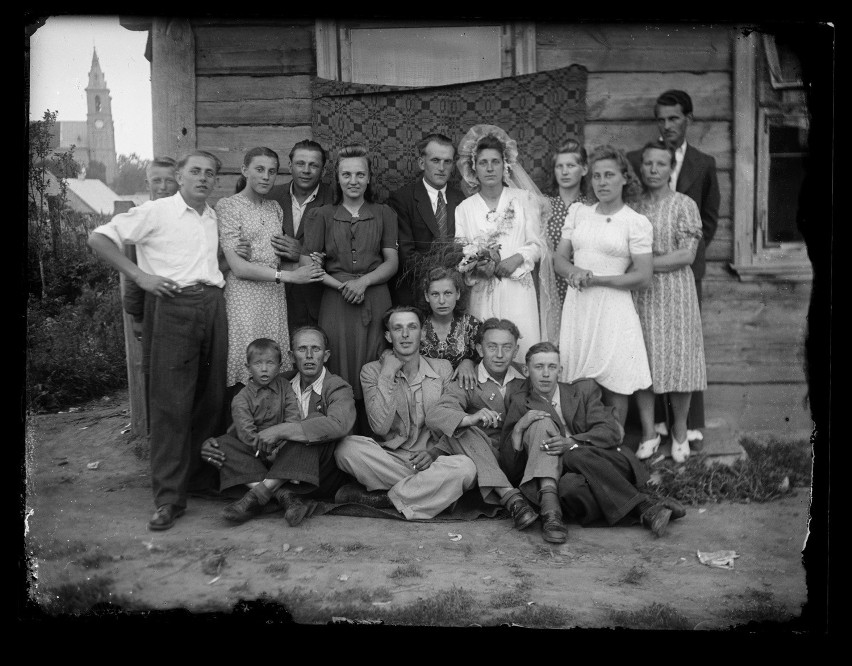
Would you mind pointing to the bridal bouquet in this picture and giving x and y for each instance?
(479, 260)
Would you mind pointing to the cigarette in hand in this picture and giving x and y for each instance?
(257, 453)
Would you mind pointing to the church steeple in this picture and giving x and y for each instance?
(99, 126)
(96, 76)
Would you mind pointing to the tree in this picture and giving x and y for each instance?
(132, 174)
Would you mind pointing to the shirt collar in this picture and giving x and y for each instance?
(482, 375)
(680, 152)
(180, 204)
(316, 387)
(274, 385)
(364, 213)
(434, 191)
(310, 197)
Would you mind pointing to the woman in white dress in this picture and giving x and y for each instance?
(605, 252)
(498, 218)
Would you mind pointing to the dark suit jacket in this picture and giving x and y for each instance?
(330, 415)
(303, 300)
(417, 225)
(589, 421)
(697, 179)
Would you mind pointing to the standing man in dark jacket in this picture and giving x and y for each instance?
(425, 208)
(694, 175)
(303, 192)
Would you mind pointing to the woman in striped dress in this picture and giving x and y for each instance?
(668, 308)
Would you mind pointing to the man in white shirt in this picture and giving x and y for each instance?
(425, 208)
(185, 340)
(304, 192)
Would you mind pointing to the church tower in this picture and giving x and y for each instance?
(101, 134)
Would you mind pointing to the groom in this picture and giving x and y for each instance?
(425, 208)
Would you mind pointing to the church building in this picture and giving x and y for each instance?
(94, 138)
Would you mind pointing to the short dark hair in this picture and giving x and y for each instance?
(445, 273)
(489, 141)
(307, 144)
(262, 345)
(396, 309)
(181, 163)
(437, 138)
(495, 324)
(674, 97)
(162, 161)
(540, 348)
(307, 329)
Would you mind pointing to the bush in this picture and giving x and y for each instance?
(75, 350)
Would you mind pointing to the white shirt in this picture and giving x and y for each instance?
(482, 376)
(433, 195)
(172, 240)
(679, 153)
(299, 208)
(305, 396)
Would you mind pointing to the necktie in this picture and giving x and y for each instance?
(441, 214)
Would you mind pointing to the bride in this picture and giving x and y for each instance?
(500, 229)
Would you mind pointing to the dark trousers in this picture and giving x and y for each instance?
(303, 302)
(597, 483)
(185, 348)
(312, 466)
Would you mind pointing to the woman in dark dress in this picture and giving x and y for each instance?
(356, 239)
(449, 332)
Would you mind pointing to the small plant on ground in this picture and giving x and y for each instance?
(654, 616)
(406, 571)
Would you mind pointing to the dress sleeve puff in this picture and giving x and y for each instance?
(571, 220)
(390, 228)
(688, 226)
(230, 224)
(640, 238)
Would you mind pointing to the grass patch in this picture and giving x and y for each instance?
(655, 616)
(758, 478)
(355, 547)
(364, 595)
(94, 594)
(511, 598)
(407, 571)
(448, 608)
(327, 548)
(634, 576)
(537, 616)
(759, 606)
(277, 568)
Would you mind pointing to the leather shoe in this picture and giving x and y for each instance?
(553, 529)
(677, 509)
(656, 519)
(294, 508)
(522, 513)
(243, 509)
(352, 494)
(165, 516)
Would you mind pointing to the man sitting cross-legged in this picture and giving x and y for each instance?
(565, 445)
(408, 461)
(472, 419)
(282, 441)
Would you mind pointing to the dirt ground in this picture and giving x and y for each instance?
(90, 525)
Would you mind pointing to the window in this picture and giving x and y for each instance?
(418, 54)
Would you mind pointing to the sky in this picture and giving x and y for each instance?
(60, 59)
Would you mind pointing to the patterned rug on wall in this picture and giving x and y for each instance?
(539, 111)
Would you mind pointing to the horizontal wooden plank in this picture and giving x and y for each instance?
(712, 137)
(226, 185)
(238, 88)
(222, 22)
(238, 140)
(631, 96)
(634, 47)
(254, 112)
(254, 50)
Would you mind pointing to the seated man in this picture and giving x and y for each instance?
(408, 461)
(565, 444)
(282, 441)
(472, 418)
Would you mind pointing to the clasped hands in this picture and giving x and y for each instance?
(579, 278)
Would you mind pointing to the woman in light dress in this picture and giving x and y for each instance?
(255, 301)
(668, 308)
(605, 252)
(508, 217)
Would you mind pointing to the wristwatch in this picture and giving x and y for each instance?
(278, 277)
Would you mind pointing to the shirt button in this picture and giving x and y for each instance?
(618, 448)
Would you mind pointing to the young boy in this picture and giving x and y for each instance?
(566, 444)
(281, 444)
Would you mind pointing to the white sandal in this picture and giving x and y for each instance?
(680, 450)
(648, 448)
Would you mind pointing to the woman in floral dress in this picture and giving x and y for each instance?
(449, 332)
(255, 301)
(569, 167)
